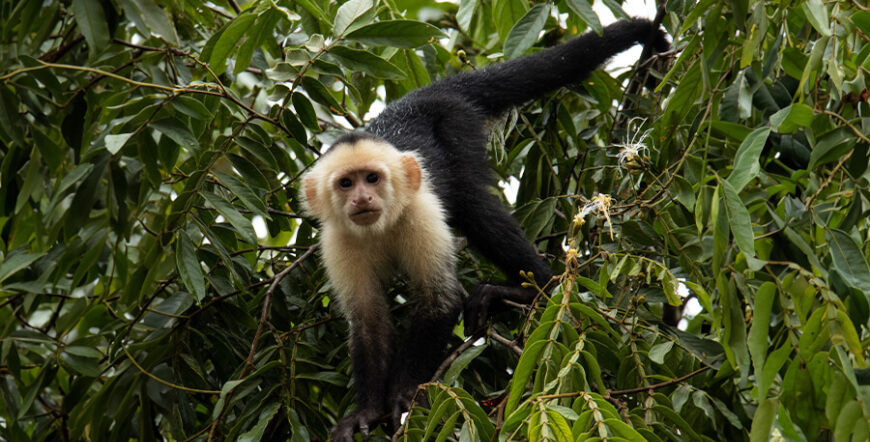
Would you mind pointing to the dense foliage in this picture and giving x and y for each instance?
(157, 282)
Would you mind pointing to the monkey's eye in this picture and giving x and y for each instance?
(372, 178)
(345, 183)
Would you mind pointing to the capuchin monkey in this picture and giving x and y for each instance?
(386, 199)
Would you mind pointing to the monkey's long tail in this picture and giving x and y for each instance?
(498, 87)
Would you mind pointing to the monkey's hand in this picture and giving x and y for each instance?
(487, 300)
(360, 420)
(477, 308)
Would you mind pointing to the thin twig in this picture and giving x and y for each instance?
(502, 340)
(249, 365)
(660, 384)
(264, 313)
(455, 354)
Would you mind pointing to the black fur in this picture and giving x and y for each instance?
(444, 123)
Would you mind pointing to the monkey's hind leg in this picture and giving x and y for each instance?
(371, 344)
(422, 348)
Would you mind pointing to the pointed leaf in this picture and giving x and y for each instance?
(849, 260)
(244, 193)
(746, 165)
(349, 13)
(114, 143)
(189, 267)
(226, 40)
(406, 34)
(177, 131)
(17, 262)
(365, 61)
(231, 214)
(91, 20)
(739, 220)
(525, 33)
(583, 9)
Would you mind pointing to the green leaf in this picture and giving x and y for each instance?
(305, 111)
(658, 352)
(846, 420)
(461, 362)
(365, 61)
(583, 9)
(150, 19)
(559, 425)
(788, 119)
(622, 430)
(188, 266)
(91, 20)
(114, 143)
(861, 19)
(817, 15)
(32, 186)
(241, 190)
(683, 98)
(178, 132)
(831, 146)
(9, 119)
(87, 352)
(226, 40)
(83, 202)
(678, 420)
(294, 126)
(230, 213)
(528, 362)
(538, 215)
(349, 13)
(746, 165)
(814, 65)
(739, 220)
(192, 107)
(89, 367)
(733, 326)
(525, 33)
(465, 14)
(849, 260)
(762, 421)
(505, 13)
(737, 101)
(406, 34)
(16, 262)
(256, 433)
(758, 345)
(318, 92)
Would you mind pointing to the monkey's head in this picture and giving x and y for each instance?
(362, 184)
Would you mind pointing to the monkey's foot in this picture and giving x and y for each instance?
(358, 421)
(400, 402)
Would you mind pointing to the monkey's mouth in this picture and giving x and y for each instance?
(366, 217)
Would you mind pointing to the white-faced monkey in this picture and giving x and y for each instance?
(386, 200)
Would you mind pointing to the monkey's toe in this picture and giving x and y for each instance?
(358, 421)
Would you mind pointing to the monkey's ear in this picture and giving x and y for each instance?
(412, 172)
(312, 205)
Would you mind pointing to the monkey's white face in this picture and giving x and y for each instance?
(361, 193)
(362, 188)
